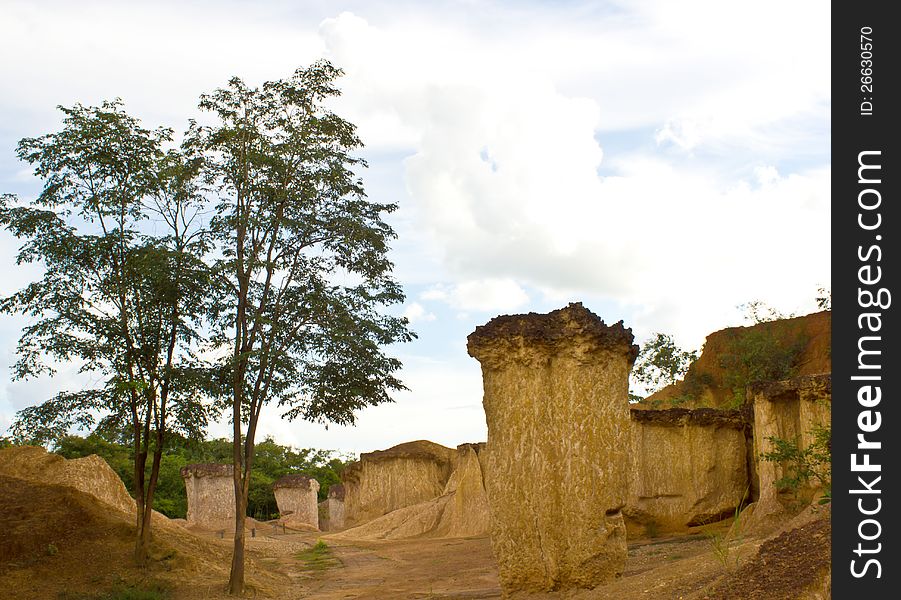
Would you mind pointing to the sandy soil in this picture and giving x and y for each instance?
(58, 543)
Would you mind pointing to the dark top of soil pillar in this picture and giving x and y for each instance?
(207, 470)
(552, 332)
(677, 417)
(293, 481)
(790, 389)
(420, 449)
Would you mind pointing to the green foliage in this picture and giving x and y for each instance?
(719, 542)
(170, 499)
(761, 353)
(722, 550)
(304, 253)
(803, 466)
(254, 242)
(113, 297)
(660, 363)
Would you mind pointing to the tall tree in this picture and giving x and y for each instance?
(123, 288)
(305, 260)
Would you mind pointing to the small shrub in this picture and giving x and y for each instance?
(824, 298)
(801, 466)
(52, 549)
(721, 550)
(719, 542)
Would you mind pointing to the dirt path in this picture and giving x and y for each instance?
(674, 567)
(393, 570)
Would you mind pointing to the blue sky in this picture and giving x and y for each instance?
(661, 162)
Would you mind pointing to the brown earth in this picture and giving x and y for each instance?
(786, 567)
(90, 474)
(59, 542)
(815, 358)
(92, 549)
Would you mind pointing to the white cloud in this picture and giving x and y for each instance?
(484, 295)
(416, 312)
(653, 157)
(443, 404)
(504, 180)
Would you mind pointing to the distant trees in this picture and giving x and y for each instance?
(251, 245)
(273, 460)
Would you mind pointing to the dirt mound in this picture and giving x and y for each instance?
(61, 542)
(91, 474)
(707, 382)
(791, 565)
(39, 518)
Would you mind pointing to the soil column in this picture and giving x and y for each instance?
(556, 403)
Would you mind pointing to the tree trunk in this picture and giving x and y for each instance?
(236, 578)
(142, 544)
(140, 554)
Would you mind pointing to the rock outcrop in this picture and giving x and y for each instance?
(688, 467)
(460, 511)
(466, 513)
(790, 410)
(556, 405)
(331, 510)
(386, 480)
(296, 496)
(211, 495)
(707, 381)
(91, 474)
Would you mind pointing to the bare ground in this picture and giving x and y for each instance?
(57, 543)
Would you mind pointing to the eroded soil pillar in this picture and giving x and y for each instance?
(211, 495)
(296, 496)
(556, 404)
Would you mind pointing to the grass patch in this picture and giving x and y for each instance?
(152, 591)
(318, 557)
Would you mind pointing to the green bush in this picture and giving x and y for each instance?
(803, 466)
(760, 354)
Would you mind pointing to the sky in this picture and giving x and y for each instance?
(661, 162)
